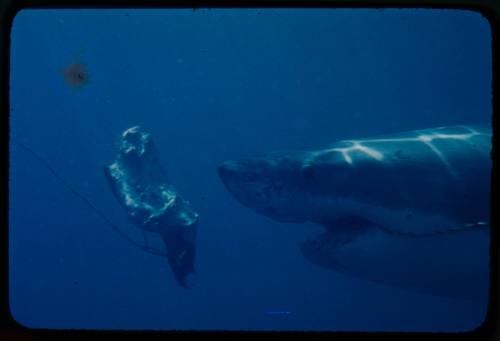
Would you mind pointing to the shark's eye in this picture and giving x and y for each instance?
(308, 172)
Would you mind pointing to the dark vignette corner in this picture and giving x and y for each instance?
(11, 330)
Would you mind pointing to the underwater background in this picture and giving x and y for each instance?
(212, 85)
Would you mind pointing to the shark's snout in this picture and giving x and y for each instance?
(230, 175)
(267, 184)
(227, 170)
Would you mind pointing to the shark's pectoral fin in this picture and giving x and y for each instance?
(321, 248)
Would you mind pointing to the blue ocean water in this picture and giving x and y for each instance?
(212, 85)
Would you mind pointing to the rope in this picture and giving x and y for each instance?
(87, 202)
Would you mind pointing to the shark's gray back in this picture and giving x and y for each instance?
(442, 171)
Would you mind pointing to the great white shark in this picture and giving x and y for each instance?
(409, 209)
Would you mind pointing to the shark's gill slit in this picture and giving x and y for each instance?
(145, 247)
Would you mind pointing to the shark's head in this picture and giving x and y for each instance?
(281, 186)
(271, 184)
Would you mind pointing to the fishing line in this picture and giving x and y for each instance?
(87, 202)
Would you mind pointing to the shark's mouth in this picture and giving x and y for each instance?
(321, 249)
